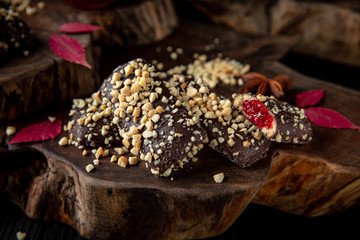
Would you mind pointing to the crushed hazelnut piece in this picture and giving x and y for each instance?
(52, 119)
(123, 162)
(133, 160)
(89, 167)
(63, 141)
(10, 130)
(219, 178)
(246, 143)
(20, 235)
(99, 152)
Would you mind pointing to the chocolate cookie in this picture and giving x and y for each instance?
(88, 131)
(278, 120)
(228, 130)
(151, 123)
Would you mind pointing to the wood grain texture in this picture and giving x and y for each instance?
(42, 78)
(130, 203)
(324, 179)
(329, 166)
(313, 25)
(112, 201)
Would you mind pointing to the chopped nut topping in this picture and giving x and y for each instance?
(10, 130)
(89, 167)
(63, 141)
(133, 160)
(20, 235)
(99, 152)
(123, 162)
(246, 143)
(219, 178)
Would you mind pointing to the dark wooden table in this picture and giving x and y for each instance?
(256, 222)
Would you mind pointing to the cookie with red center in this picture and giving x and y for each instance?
(278, 120)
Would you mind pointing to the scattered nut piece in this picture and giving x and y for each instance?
(123, 162)
(133, 160)
(20, 235)
(89, 167)
(99, 152)
(63, 141)
(10, 130)
(52, 119)
(219, 178)
(113, 158)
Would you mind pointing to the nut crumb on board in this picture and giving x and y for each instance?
(20, 235)
(89, 167)
(52, 119)
(219, 178)
(10, 130)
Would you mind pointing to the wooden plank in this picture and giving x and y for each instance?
(42, 78)
(112, 201)
(322, 177)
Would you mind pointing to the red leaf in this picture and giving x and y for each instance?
(75, 27)
(38, 132)
(68, 48)
(325, 117)
(309, 98)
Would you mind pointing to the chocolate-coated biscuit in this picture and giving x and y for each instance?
(285, 123)
(153, 125)
(228, 130)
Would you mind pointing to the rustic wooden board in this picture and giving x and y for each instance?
(191, 206)
(310, 180)
(303, 21)
(42, 78)
(113, 202)
(322, 177)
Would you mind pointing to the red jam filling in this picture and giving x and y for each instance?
(257, 113)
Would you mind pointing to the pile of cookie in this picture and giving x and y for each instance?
(141, 114)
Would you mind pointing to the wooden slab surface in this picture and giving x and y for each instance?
(322, 177)
(193, 206)
(43, 78)
(310, 180)
(114, 202)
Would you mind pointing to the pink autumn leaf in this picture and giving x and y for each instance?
(309, 98)
(75, 27)
(38, 132)
(325, 117)
(69, 49)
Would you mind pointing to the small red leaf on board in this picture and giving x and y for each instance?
(68, 48)
(309, 98)
(38, 132)
(75, 27)
(325, 117)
